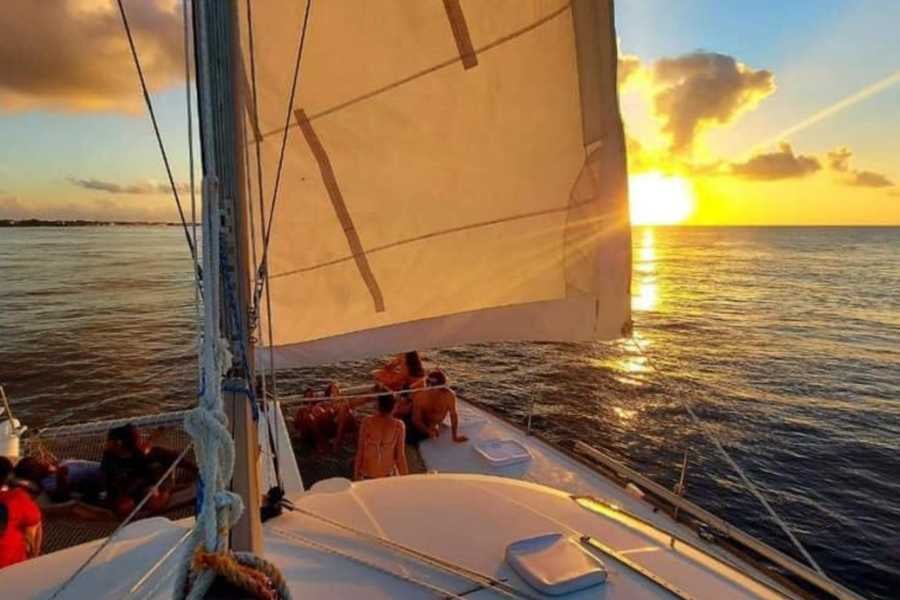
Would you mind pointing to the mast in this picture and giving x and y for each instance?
(218, 56)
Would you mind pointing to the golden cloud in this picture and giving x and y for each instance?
(101, 209)
(782, 164)
(839, 161)
(73, 54)
(700, 89)
(142, 187)
(869, 179)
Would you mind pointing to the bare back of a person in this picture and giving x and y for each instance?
(379, 438)
(435, 404)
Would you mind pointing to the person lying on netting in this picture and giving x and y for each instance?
(330, 418)
(65, 479)
(71, 487)
(132, 466)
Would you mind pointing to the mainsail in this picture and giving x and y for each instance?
(453, 171)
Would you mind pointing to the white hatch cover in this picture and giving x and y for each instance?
(555, 564)
(500, 453)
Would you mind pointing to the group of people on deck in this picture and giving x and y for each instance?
(410, 407)
(110, 489)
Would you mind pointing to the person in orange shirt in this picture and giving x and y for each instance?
(405, 371)
(20, 521)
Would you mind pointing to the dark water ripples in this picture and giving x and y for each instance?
(785, 341)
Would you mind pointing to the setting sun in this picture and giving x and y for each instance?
(657, 199)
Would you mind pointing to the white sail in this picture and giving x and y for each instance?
(454, 172)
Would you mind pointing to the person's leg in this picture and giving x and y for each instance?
(63, 490)
(345, 423)
(413, 435)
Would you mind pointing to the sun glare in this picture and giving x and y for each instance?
(659, 200)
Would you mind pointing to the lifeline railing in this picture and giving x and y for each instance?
(587, 454)
(722, 527)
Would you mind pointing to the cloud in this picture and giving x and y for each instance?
(839, 161)
(782, 164)
(629, 66)
(700, 89)
(869, 179)
(73, 55)
(12, 208)
(99, 209)
(145, 187)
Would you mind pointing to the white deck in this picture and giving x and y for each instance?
(464, 514)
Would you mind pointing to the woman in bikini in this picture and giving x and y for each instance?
(381, 451)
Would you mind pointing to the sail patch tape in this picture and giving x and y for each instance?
(340, 207)
(461, 33)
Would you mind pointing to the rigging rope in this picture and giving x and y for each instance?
(471, 575)
(207, 424)
(325, 548)
(300, 399)
(287, 121)
(122, 525)
(159, 140)
(751, 487)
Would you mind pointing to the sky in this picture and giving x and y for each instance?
(763, 112)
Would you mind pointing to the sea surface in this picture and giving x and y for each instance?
(785, 341)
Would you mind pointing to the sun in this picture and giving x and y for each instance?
(657, 199)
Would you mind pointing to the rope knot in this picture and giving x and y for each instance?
(245, 572)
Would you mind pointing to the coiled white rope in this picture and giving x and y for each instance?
(207, 424)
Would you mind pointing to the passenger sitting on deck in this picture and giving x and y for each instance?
(20, 521)
(60, 480)
(381, 450)
(132, 467)
(429, 409)
(331, 418)
(403, 372)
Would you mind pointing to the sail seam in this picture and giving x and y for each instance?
(340, 208)
(430, 235)
(419, 74)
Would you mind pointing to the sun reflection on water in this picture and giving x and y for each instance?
(646, 291)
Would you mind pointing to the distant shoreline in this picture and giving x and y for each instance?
(84, 223)
(81, 223)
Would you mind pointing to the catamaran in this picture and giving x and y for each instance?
(382, 176)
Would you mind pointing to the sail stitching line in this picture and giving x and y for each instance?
(442, 65)
(340, 208)
(433, 234)
(461, 33)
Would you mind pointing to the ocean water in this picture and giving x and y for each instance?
(786, 341)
